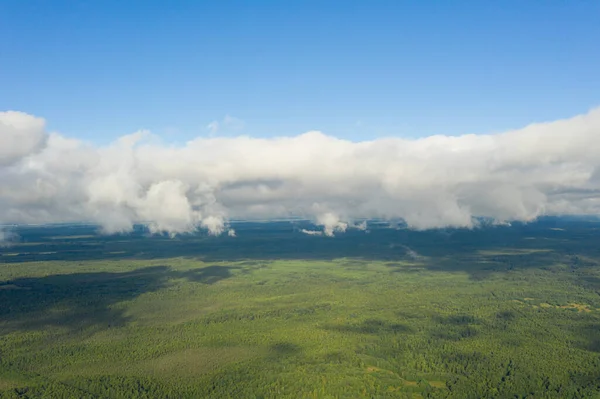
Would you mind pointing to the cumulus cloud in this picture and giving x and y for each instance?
(360, 226)
(331, 223)
(7, 236)
(438, 181)
(20, 135)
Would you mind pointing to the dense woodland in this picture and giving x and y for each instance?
(495, 312)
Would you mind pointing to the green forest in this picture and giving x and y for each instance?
(495, 312)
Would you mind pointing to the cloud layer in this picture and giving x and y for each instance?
(549, 168)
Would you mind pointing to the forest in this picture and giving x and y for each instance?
(490, 312)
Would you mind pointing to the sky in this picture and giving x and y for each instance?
(356, 70)
(187, 115)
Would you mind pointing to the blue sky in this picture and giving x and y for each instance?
(353, 69)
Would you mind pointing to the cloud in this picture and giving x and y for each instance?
(312, 232)
(7, 236)
(213, 128)
(360, 226)
(411, 253)
(228, 124)
(331, 223)
(20, 135)
(438, 181)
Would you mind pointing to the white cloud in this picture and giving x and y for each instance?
(213, 128)
(331, 222)
(228, 124)
(312, 232)
(7, 236)
(548, 168)
(20, 135)
(360, 226)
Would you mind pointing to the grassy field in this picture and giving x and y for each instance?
(498, 312)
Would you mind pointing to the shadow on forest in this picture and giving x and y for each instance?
(590, 282)
(84, 300)
(478, 252)
(456, 320)
(371, 326)
(454, 333)
(285, 349)
(208, 274)
(589, 337)
(589, 378)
